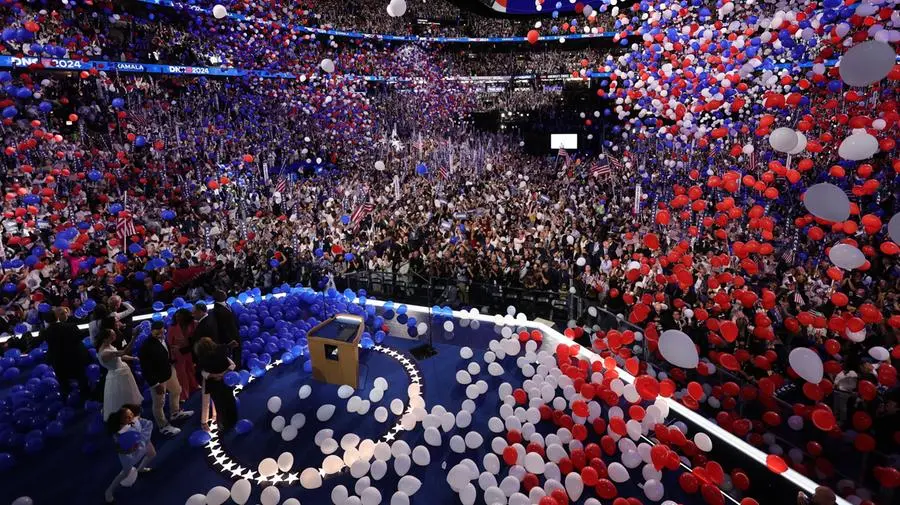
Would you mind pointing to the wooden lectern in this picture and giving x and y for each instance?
(334, 349)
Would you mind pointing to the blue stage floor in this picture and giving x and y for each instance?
(63, 473)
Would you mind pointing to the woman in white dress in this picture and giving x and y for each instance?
(120, 388)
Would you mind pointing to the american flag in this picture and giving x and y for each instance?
(282, 185)
(752, 161)
(125, 226)
(360, 213)
(600, 170)
(617, 165)
(443, 173)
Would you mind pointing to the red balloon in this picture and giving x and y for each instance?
(606, 489)
(776, 464)
(510, 455)
(689, 482)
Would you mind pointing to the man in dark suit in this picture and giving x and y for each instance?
(156, 365)
(206, 326)
(65, 352)
(226, 322)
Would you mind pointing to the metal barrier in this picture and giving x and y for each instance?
(551, 305)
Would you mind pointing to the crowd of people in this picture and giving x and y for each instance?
(131, 191)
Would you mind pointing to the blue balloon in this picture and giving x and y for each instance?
(345, 219)
(34, 445)
(307, 366)
(243, 426)
(129, 439)
(45, 107)
(118, 103)
(140, 141)
(199, 438)
(232, 379)
(7, 461)
(158, 306)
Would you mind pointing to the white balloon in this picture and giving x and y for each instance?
(409, 485)
(215, 496)
(654, 490)
(291, 501)
(298, 420)
(807, 364)
(278, 423)
(370, 496)
(219, 11)
(397, 8)
(465, 353)
(467, 494)
(310, 479)
(421, 455)
(345, 392)
(703, 442)
(327, 65)
(270, 496)
(359, 468)
(268, 467)
(448, 326)
(240, 491)
(858, 146)
(325, 412)
(783, 139)
(197, 499)
(474, 440)
(894, 228)
(362, 485)
(827, 201)
(879, 353)
(378, 469)
(329, 446)
(289, 433)
(801, 144)
(402, 464)
(400, 498)
(617, 472)
(534, 463)
(678, 349)
(304, 391)
(432, 436)
(846, 256)
(381, 414)
(339, 494)
(463, 377)
(574, 485)
(867, 63)
(379, 165)
(274, 404)
(332, 464)
(285, 461)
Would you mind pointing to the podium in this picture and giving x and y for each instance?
(334, 349)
